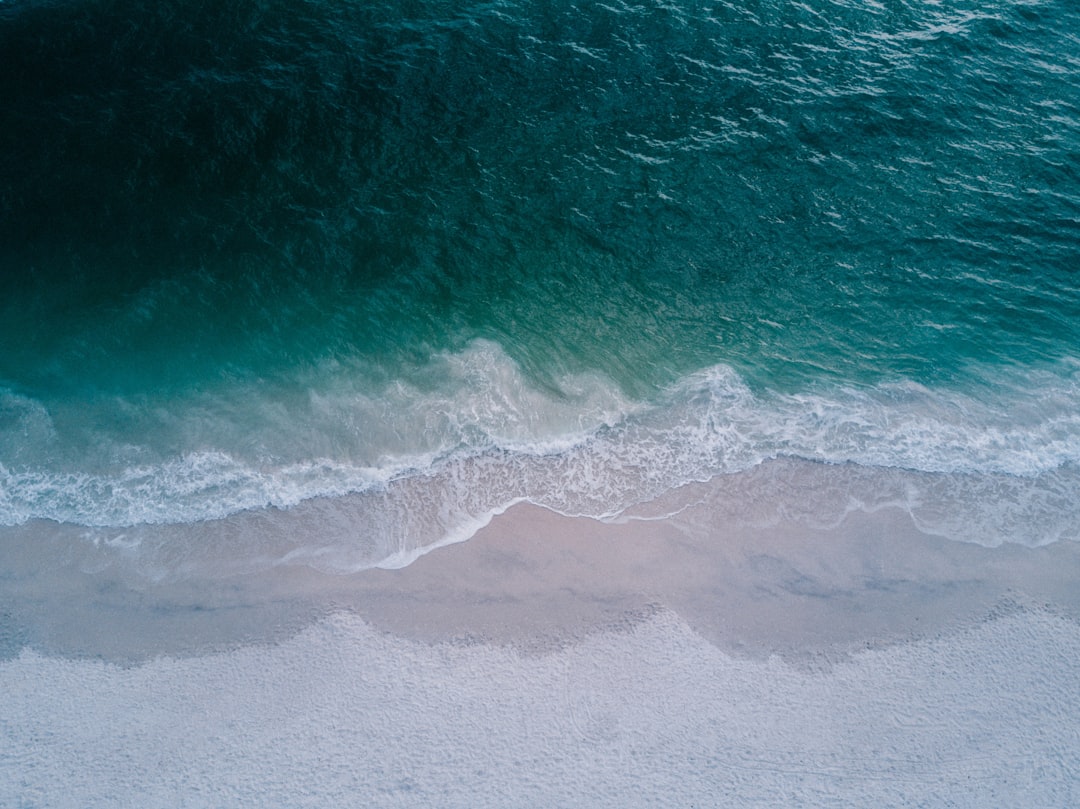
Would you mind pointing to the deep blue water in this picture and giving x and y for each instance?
(254, 253)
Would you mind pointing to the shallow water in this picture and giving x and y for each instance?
(443, 258)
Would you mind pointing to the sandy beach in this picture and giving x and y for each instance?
(561, 404)
(555, 661)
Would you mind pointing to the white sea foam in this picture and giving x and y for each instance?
(435, 454)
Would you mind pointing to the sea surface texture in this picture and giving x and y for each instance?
(419, 261)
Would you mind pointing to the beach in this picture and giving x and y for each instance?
(559, 661)
(539, 404)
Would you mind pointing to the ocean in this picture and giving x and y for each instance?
(397, 266)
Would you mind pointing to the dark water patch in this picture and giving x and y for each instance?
(418, 172)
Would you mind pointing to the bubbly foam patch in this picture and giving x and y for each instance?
(438, 451)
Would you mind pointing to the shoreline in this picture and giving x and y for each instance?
(534, 579)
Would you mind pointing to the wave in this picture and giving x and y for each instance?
(439, 450)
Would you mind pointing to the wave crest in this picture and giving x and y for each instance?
(435, 454)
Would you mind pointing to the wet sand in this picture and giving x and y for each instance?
(533, 579)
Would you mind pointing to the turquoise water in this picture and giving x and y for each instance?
(255, 253)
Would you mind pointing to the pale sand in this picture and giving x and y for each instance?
(554, 661)
(538, 580)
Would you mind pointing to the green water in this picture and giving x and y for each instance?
(212, 213)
